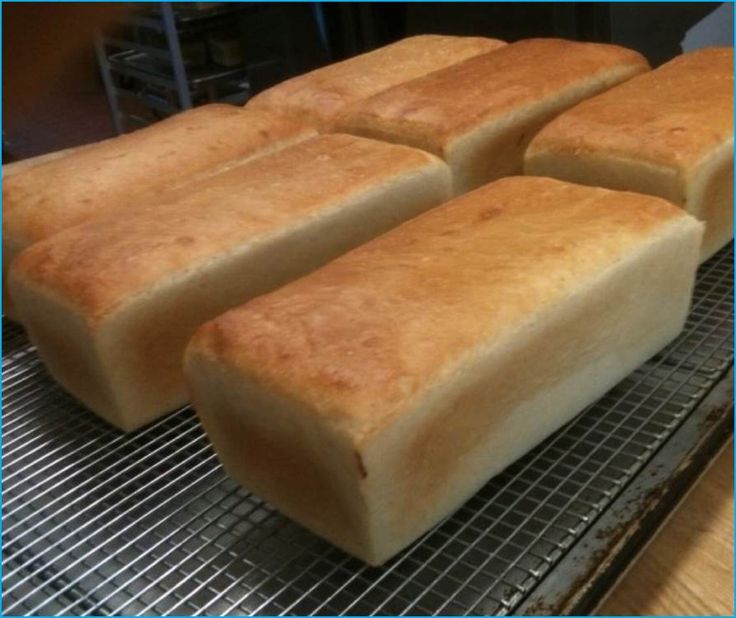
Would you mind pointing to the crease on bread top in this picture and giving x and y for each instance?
(100, 265)
(116, 174)
(348, 323)
(668, 132)
(370, 398)
(479, 114)
(78, 187)
(135, 286)
(316, 97)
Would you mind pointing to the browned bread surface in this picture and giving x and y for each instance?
(390, 384)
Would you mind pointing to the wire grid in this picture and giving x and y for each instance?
(98, 522)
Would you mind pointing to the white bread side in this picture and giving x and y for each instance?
(371, 398)
(479, 115)
(667, 133)
(63, 191)
(318, 96)
(111, 304)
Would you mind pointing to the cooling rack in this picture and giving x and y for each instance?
(98, 522)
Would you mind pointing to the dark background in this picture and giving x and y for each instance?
(53, 97)
(655, 29)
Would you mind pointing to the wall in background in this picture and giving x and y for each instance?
(53, 97)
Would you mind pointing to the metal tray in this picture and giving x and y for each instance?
(95, 521)
(139, 65)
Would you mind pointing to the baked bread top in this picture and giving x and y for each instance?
(674, 116)
(359, 340)
(104, 177)
(98, 265)
(316, 97)
(444, 105)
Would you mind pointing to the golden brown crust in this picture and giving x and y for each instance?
(91, 181)
(97, 265)
(444, 104)
(16, 167)
(364, 336)
(672, 116)
(318, 96)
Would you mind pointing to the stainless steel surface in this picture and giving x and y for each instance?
(94, 521)
(604, 552)
(177, 60)
(104, 66)
(138, 64)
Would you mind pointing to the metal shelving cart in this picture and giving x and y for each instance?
(95, 521)
(148, 72)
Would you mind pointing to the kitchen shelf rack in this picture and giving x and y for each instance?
(144, 67)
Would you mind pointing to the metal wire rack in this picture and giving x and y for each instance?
(98, 522)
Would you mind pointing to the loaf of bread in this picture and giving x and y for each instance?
(667, 133)
(112, 303)
(11, 169)
(371, 398)
(480, 114)
(111, 175)
(318, 96)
